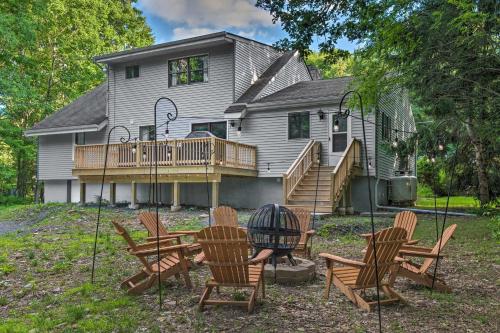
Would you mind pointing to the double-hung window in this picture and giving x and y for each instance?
(339, 134)
(147, 133)
(131, 71)
(188, 70)
(386, 127)
(298, 125)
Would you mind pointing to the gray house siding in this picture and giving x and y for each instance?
(55, 156)
(269, 132)
(133, 99)
(397, 106)
(251, 59)
(294, 71)
(357, 132)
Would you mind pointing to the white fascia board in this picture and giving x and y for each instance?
(288, 104)
(67, 129)
(163, 50)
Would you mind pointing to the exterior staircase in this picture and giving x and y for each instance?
(305, 192)
(305, 174)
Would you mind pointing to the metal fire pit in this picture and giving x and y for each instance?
(276, 228)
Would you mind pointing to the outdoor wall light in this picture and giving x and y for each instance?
(268, 167)
(134, 148)
(321, 114)
(232, 123)
(238, 132)
(336, 125)
(370, 163)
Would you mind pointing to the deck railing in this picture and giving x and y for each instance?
(340, 175)
(299, 168)
(176, 152)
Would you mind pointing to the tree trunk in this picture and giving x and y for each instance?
(484, 189)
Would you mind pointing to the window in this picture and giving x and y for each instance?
(339, 134)
(131, 71)
(79, 138)
(147, 133)
(386, 127)
(218, 129)
(188, 70)
(298, 125)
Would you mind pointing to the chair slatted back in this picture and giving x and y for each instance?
(304, 217)
(387, 242)
(406, 220)
(226, 216)
(226, 253)
(447, 234)
(148, 220)
(120, 230)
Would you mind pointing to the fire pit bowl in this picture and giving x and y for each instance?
(276, 228)
(284, 273)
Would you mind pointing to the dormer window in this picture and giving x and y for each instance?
(188, 70)
(131, 71)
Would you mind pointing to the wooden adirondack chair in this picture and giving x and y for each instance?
(406, 220)
(355, 276)
(227, 216)
(172, 261)
(148, 220)
(225, 251)
(306, 232)
(419, 273)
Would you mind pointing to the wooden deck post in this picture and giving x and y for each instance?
(215, 194)
(133, 195)
(82, 193)
(214, 147)
(112, 194)
(176, 196)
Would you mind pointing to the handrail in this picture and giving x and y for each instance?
(175, 152)
(298, 169)
(342, 171)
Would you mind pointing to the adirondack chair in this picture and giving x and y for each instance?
(148, 220)
(406, 220)
(353, 277)
(419, 273)
(306, 232)
(227, 216)
(225, 251)
(172, 261)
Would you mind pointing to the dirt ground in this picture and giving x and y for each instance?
(45, 282)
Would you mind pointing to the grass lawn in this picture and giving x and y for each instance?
(460, 202)
(45, 273)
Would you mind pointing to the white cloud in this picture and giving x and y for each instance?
(209, 14)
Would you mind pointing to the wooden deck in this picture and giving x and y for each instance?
(178, 161)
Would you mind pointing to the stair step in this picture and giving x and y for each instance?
(312, 191)
(313, 182)
(319, 209)
(309, 197)
(310, 202)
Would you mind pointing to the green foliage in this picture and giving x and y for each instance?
(341, 66)
(46, 51)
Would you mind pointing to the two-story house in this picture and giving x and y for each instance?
(269, 121)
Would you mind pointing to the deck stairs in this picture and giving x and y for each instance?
(305, 174)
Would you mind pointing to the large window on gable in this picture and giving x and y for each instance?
(188, 70)
(298, 125)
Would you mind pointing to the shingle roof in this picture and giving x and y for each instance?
(89, 109)
(309, 90)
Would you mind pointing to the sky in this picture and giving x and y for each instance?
(177, 19)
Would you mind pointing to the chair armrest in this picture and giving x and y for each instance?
(262, 256)
(154, 242)
(400, 260)
(412, 241)
(162, 250)
(184, 232)
(341, 260)
(416, 248)
(199, 258)
(419, 254)
(310, 232)
(164, 237)
(365, 235)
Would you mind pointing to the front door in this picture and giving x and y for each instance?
(339, 133)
